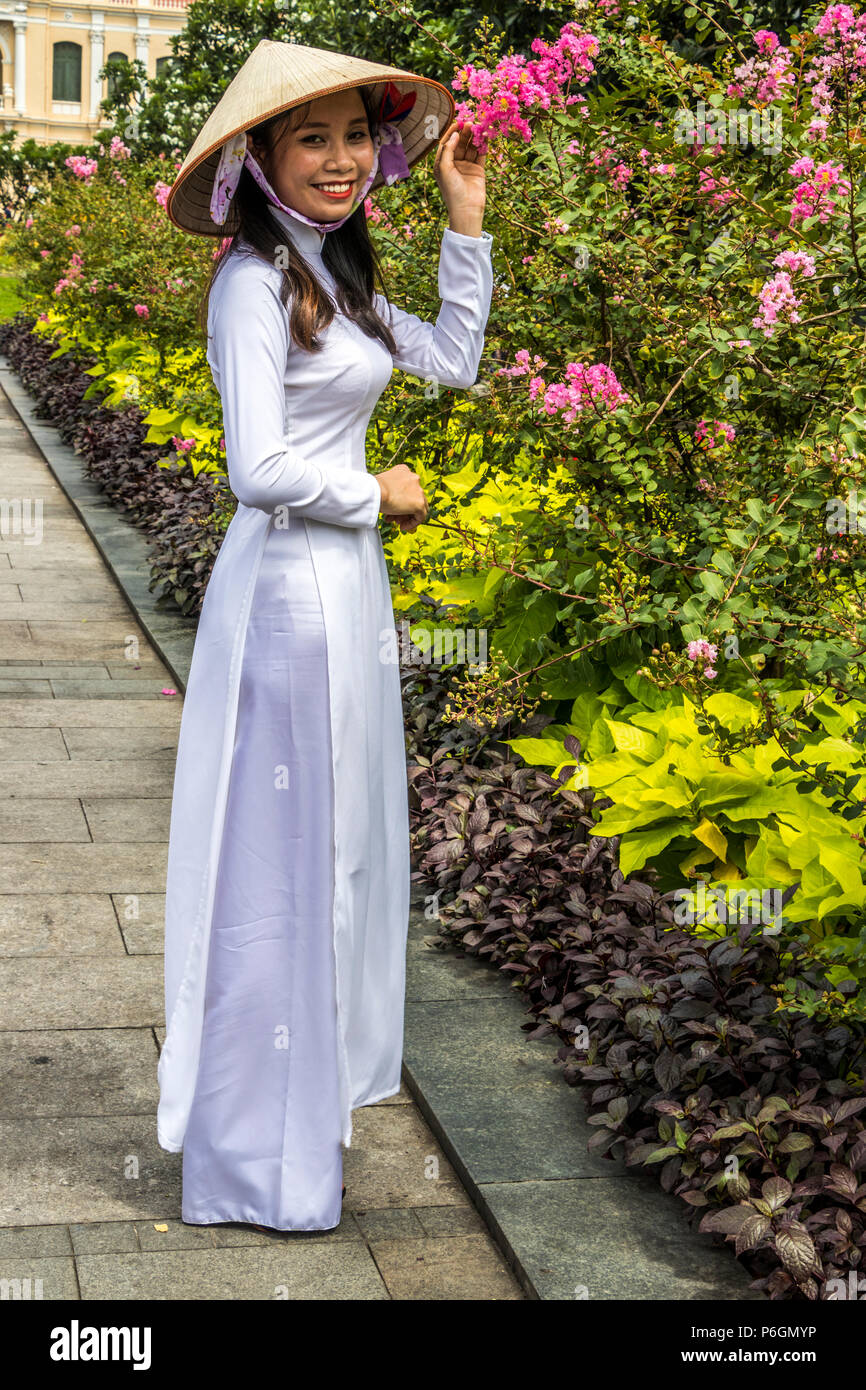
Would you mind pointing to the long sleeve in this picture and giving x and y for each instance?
(250, 345)
(449, 350)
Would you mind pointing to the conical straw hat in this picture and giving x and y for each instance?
(274, 78)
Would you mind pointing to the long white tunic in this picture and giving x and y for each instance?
(287, 891)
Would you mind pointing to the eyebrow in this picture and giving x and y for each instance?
(325, 125)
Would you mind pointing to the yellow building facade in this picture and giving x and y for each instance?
(51, 53)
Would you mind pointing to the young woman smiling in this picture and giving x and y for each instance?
(287, 892)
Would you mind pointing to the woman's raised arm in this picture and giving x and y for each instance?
(449, 350)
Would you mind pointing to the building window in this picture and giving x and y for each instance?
(114, 77)
(162, 66)
(66, 85)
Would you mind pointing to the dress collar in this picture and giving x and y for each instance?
(306, 238)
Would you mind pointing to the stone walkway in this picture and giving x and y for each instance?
(89, 1203)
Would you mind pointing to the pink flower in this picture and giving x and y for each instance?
(518, 87)
(142, 311)
(81, 167)
(702, 650)
(161, 192)
(711, 436)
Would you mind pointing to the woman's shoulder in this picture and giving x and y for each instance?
(243, 262)
(245, 280)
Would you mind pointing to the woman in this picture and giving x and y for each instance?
(287, 892)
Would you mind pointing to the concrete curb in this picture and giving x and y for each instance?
(571, 1225)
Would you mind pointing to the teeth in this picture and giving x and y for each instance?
(334, 187)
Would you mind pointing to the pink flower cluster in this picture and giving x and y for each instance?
(524, 365)
(812, 197)
(161, 192)
(778, 300)
(706, 653)
(796, 261)
(584, 388)
(183, 446)
(72, 275)
(519, 87)
(843, 61)
(765, 78)
(142, 311)
(81, 167)
(719, 189)
(117, 149)
(778, 304)
(710, 436)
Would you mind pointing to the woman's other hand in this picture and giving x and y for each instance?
(403, 497)
(459, 171)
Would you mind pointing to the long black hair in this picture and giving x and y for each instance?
(348, 252)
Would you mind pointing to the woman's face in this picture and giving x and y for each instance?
(319, 167)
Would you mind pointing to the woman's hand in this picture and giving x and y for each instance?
(459, 171)
(403, 497)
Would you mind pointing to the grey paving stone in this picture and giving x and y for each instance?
(137, 741)
(505, 1109)
(454, 1268)
(92, 1168)
(295, 1268)
(142, 922)
(22, 1242)
(32, 745)
(147, 670)
(108, 689)
(78, 1071)
(449, 1221)
(31, 689)
(132, 818)
(47, 670)
(104, 1238)
(71, 868)
(22, 819)
(612, 1238)
(394, 1161)
(82, 714)
(81, 992)
(55, 641)
(172, 1234)
(389, 1223)
(55, 924)
(39, 1280)
(127, 777)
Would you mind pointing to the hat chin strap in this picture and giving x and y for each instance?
(389, 153)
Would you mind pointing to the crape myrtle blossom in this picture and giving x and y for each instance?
(585, 389)
(81, 167)
(705, 653)
(778, 301)
(812, 197)
(767, 77)
(72, 275)
(843, 61)
(710, 436)
(519, 87)
(161, 192)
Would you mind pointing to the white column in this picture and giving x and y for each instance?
(20, 26)
(142, 41)
(97, 59)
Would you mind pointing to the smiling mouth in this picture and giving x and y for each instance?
(338, 188)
